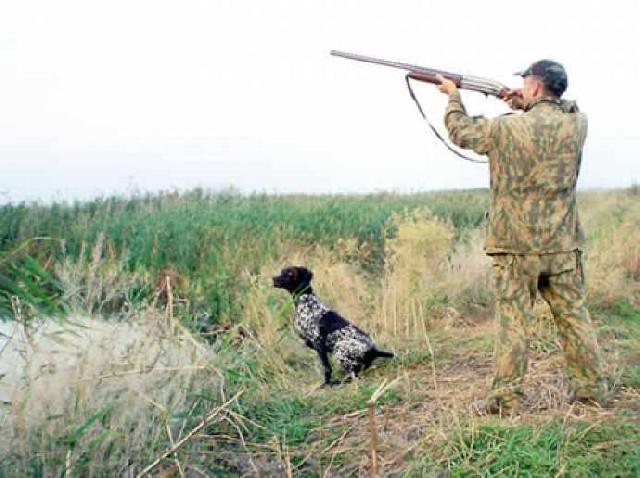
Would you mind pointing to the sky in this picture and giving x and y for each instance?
(120, 97)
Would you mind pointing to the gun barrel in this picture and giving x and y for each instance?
(474, 83)
(393, 64)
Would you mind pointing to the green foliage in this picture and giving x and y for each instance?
(211, 242)
(627, 312)
(556, 449)
(27, 288)
(301, 418)
(623, 321)
(212, 238)
(71, 439)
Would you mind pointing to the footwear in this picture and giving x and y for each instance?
(597, 395)
(588, 399)
(494, 406)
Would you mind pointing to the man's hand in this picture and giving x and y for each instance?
(446, 86)
(514, 99)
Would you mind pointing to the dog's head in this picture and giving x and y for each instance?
(294, 279)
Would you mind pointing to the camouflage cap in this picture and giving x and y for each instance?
(551, 72)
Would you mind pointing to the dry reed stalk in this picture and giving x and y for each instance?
(395, 314)
(16, 308)
(144, 370)
(384, 312)
(287, 461)
(433, 357)
(338, 440)
(68, 467)
(374, 439)
(169, 434)
(149, 400)
(169, 299)
(407, 321)
(371, 405)
(176, 459)
(189, 435)
(413, 317)
(175, 324)
(422, 317)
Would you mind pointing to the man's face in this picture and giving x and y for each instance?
(531, 89)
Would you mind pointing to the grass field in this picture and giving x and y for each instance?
(145, 332)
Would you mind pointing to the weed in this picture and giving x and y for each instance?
(107, 395)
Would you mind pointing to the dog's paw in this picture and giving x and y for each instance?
(350, 378)
(332, 383)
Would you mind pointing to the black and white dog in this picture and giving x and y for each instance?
(325, 331)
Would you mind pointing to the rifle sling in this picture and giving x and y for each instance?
(435, 131)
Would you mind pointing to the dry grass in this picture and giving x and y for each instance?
(612, 222)
(434, 297)
(107, 385)
(434, 412)
(137, 379)
(100, 285)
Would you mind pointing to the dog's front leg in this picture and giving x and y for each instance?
(324, 358)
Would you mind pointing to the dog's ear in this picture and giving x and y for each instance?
(305, 274)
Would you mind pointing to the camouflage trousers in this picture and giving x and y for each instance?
(560, 280)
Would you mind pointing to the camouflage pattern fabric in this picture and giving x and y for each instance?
(534, 235)
(534, 161)
(560, 280)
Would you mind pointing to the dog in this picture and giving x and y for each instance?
(325, 331)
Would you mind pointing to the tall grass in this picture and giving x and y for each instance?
(210, 240)
(410, 269)
(112, 255)
(96, 398)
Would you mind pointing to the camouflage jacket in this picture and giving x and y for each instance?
(534, 160)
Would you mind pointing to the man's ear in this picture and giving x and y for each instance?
(540, 88)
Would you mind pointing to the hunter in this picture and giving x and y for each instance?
(533, 233)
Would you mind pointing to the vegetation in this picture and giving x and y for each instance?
(209, 240)
(131, 320)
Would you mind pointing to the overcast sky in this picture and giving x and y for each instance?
(102, 97)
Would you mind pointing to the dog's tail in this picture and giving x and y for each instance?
(373, 354)
(382, 353)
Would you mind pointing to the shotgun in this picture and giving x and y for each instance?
(428, 75)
